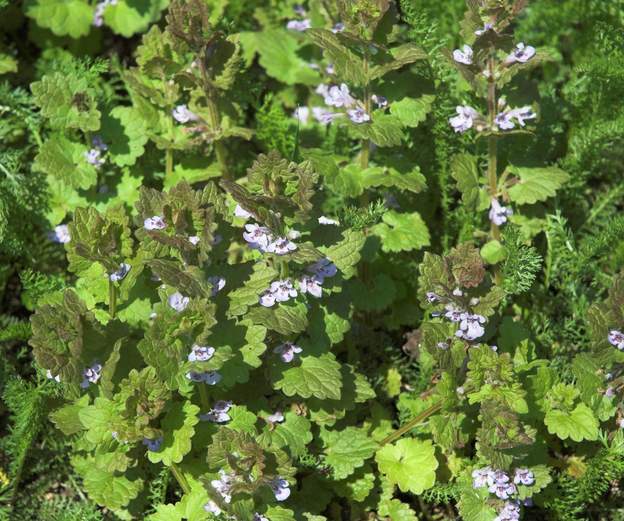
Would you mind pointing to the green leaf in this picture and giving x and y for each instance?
(285, 319)
(397, 510)
(412, 112)
(474, 505)
(385, 130)
(316, 376)
(178, 427)
(409, 463)
(67, 102)
(348, 65)
(493, 252)
(536, 184)
(465, 171)
(62, 17)
(293, 434)
(249, 294)
(578, 425)
(67, 418)
(347, 450)
(125, 133)
(402, 232)
(347, 253)
(64, 160)
(128, 17)
(375, 176)
(400, 56)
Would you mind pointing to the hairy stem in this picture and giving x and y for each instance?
(112, 299)
(203, 396)
(180, 478)
(168, 163)
(412, 423)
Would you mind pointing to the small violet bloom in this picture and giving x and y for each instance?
(223, 485)
(339, 96)
(239, 211)
(154, 223)
(208, 377)
(302, 114)
(98, 14)
(182, 114)
(358, 115)
(299, 25)
(60, 234)
(616, 338)
(91, 375)
(323, 268)
(287, 351)
(120, 274)
(279, 291)
(338, 27)
(470, 327)
(380, 101)
(153, 445)
(212, 508)
(259, 517)
(523, 113)
(463, 56)
(281, 246)
(510, 512)
(465, 118)
(452, 313)
(178, 301)
(281, 488)
(324, 116)
(50, 376)
(194, 240)
(486, 27)
(201, 353)
(311, 285)
(299, 10)
(217, 283)
(482, 477)
(326, 220)
(524, 476)
(219, 413)
(502, 486)
(499, 213)
(93, 157)
(521, 54)
(258, 237)
(432, 297)
(276, 417)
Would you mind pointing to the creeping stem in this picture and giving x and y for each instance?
(203, 396)
(492, 142)
(112, 298)
(180, 478)
(412, 423)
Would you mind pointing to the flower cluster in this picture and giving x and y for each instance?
(279, 291)
(470, 324)
(260, 238)
(500, 484)
(94, 154)
(155, 222)
(339, 96)
(616, 338)
(301, 25)
(178, 301)
(507, 118)
(320, 270)
(499, 213)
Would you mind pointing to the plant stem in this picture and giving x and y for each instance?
(112, 299)
(180, 478)
(492, 142)
(365, 144)
(168, 163)
(215, 123)
(412, 423)
(203, 396)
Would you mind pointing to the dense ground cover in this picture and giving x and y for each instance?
(334, 260)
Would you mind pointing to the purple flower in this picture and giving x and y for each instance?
(154, 223)
(299, 25)
(323, 268)
(616, 338)
(524, 476)
(212, 508)
(463, 56)
(120, 274)
(178, 301)
(432, 297)
(464, 119)
(443, 346)
(380, 101)
(50, 376)
(499, 213)
(327, 221)
(523, 113)
(486, 27)
(207, 377)
(98, 143)
(194, 240)
(153, 445)
(259, 517)
(311, 285)
(504, 120)
(482, 477)
(330, 69)
(182, 114)
(60, 234)
(287, 351)
(219, 413)
(322, 90)
(201, 353)
(239, 211)
(258, 237)
(470, 327)
(339, 96)
(609, 392)
(217, 283)
(510, 512)
(98, 14)
(93, 157)
(358, 115)
(281, 488)
(279, 291)
(453, 313)
(281, 246)
(324, 116)
(223, 485)
(91, 375)
(276, 417)
(502, 486)
(521, 54)
(338, 27)
(457, 292)
(299, 10)
(302, 114)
